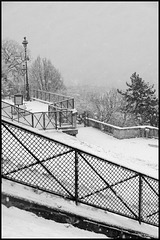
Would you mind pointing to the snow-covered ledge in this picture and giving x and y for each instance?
(124, 132)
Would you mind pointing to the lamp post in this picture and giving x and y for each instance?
(25, 42)
(23, 73)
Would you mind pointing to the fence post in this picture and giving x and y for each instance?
(86, 123)
(18, 112)
(32, 120)
(49, 114)
(12, 112)
(60, 118)
(76, 177)
(44, 121)
(140, 199)
(56, 119)
(74, 118)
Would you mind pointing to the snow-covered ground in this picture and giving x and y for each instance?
(18, 223)
(31, 106)
(138, 154)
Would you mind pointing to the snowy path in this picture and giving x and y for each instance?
(22, 224)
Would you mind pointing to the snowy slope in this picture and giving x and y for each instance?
(17, 223)
(140, 154)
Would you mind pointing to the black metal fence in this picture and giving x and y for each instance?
(35, 160)
(68, 104)
(66, 116)
(59, 100)
(40, 120)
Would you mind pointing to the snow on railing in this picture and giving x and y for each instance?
(53, 119)
(54, 98)
(63, 105)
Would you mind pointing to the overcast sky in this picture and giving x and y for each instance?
(100, 43)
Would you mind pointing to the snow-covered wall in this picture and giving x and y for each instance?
(125, 132)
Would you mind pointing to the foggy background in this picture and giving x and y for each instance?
(95, 43)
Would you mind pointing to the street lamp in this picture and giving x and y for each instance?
(23, 73)
(25, 42)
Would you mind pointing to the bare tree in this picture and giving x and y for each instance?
(12, 56)
(44, 76)
(105, 104)
(12, 62)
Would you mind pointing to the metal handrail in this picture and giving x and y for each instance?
(35, 93)
(51, 93)
(40, 120)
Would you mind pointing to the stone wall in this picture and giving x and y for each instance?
(125, 132)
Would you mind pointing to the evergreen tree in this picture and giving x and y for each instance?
(141, 101)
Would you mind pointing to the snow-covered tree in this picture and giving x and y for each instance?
(44, 76)
(141, 101)
(12, 76)
(105, 104)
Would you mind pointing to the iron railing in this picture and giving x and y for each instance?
(34, 160)
(66, 116)
(66, 104)
(41, 120)
(59, 100)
